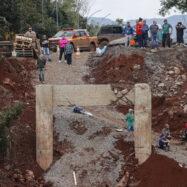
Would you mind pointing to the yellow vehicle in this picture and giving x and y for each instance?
(6, 38)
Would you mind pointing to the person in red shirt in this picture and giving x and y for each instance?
(139, 32)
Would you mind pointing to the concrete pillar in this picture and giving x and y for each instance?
(44, 126)
(143, 140)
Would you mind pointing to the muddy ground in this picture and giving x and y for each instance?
(99, 155)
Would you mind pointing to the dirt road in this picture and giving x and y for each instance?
(61, 73)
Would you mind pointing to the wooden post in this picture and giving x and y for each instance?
(44, 126)
(143, 140)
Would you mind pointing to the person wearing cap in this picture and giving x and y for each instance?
(41, 66)
(62, 43)
(166, 132)
(128, 31)
(130, 122)
(139, 32)
(166, 27)
(180, 33)
(164, 143)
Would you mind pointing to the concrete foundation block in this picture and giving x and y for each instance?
(143, 122)
(44, 126)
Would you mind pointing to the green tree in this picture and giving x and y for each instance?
(167, 5)
(10, 10)
(119, 22)
(22, 14)
(93, 29)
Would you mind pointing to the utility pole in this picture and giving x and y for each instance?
(42, 11)
(57, 13)
(78, 14)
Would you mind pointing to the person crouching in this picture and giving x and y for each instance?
(164, 142)
(68, 52)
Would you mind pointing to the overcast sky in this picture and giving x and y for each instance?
(126, 9)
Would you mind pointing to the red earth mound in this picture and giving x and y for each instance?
(114, 70)
(157, 171)
(16, 85)
(15, 76)
(161, 171)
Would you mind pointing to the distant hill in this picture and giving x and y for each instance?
(173, 20)
(100, 21)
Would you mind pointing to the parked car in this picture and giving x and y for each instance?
(78, 38)
(108, 33)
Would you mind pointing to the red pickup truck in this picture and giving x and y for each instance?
(78, 38)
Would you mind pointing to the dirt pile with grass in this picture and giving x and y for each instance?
(21, 168)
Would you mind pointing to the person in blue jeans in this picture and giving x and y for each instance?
(128, 31)
(41, 67)
(164, 142)
(145, 34)
(154, 29)
(45, 48)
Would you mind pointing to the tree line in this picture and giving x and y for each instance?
(41, 15)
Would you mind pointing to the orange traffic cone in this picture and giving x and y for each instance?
(78, 54)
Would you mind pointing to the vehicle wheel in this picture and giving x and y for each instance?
(92, 47)
(102, 44)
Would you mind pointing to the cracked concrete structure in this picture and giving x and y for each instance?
(48, 97)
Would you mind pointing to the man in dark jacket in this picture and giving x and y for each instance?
(41, 67)
(180, 32)
(145, 33)
(45, 48)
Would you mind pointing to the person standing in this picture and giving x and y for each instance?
(180, 33)
(139, 33)
(166, 33)
(45, 48)
(154, 29)
(62, 44)
(128, 31)
(41, 67)
(30, 34)
(145, 34)
(130, 122)
(68, 52)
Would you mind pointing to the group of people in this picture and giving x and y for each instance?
(143, 30)
(165, 137)
(64, 46)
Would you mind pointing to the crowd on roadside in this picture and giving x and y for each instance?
(156, 34)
